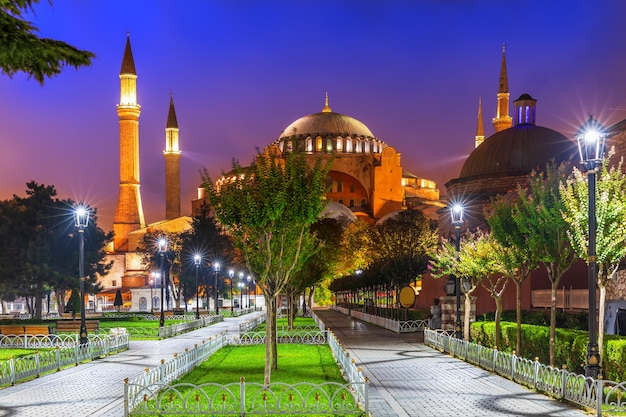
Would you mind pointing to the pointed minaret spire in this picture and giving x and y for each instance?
(326, 109)
(503, 120)
(172, 165)
(129, 211)
(480, 129)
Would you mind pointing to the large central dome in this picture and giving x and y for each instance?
(327, 124)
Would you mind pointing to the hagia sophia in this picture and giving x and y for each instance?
(368, 182)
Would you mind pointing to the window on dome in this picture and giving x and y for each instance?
(339, 144)
(318, 144)
(349, 144)
(309, 144)
(329, 145)
(357, 146)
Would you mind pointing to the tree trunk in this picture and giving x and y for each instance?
(498, 301)
(291, 313)
(553, 322)
(600, 320)
(270, 315)
(518, 317)
(274, 337)
(466, 317)
(60, 295)
(38, 300)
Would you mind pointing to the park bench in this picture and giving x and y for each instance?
(29, 329)
(71, 326)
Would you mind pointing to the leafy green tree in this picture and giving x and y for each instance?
(474, 263)
(268, 210)
(514, 257)
(73, 304)
(22, 50)
(611, 225)
(538, 215)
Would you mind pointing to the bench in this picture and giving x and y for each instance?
(29, 329)
(71, 326)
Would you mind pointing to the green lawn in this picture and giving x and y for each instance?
(299, 365)
(6, 354)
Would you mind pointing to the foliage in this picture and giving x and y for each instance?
(514, 254)
(538, 215)
(38, 230)
(268, 210)
(73, 304)
(610, 224)
(22, 50)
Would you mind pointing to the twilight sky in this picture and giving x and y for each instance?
(241, 71)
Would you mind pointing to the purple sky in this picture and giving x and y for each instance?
(241, 71)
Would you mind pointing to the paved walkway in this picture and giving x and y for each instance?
(409, 379)
(97, 388)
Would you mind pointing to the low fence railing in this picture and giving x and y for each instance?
(302, 337)
(409, 326)
(25, 367)
(601, 395)
(174, 329)
(152, 394)
(251, 324)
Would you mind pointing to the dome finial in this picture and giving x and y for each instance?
(326, 109)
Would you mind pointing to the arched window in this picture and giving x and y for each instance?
(357, 145)
(366, 146)
(363, 202)
(289, 146)
(309, 144)
(319, 143)
(329, 145)
(339, 144)
(143, 304)
(349, 144)
(340, 201)
(351, 203)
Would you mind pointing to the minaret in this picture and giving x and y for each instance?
(503, 120)
(129, 213)
(172, 165)
(480, 130)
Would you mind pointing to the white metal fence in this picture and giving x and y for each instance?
(152, 394)
(409, 326)
(601, 395)
(18, 369)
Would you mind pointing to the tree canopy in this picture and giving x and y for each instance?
(23, 50)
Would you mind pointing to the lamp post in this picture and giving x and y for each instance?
(231, 275)
(162, 245)
(197, 259)
(82, 219)
(240, 285)
(248, 292)
(591, 140)
(240, 281)
(216, 268)
(153, 281)
(456, 214)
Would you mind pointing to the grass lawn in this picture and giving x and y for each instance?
(283, 322)
(5, 354)
(217, 381)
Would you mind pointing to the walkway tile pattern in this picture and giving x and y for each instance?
(409, 379)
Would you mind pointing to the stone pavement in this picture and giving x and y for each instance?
(409, 379)
(97, 388)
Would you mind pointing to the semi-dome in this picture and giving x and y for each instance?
(327, 124)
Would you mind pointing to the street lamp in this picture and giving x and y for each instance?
(82, 219)
(591, 140)
(162, 246)
(248, 292)
(153, 281)
(216, 268)
(231, 275)
(240, 285)
(197, 259)
(456, 214)
(240, 281)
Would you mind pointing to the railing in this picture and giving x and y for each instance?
(409, 326)
(259, 338)
(572, 299)
(174, 329)
(151, 394)
(602, 395)
(251, 324)
(18, 369)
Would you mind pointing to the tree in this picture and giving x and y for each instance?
(538, 215)
(40, 228)
(515, 257)
(611, 222)
(22, 50)
(118, 302)
(268, 210)
(474, 262)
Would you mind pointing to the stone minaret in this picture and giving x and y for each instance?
(503, 120)
(129, 212)
(172, 165)
(480, 129)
